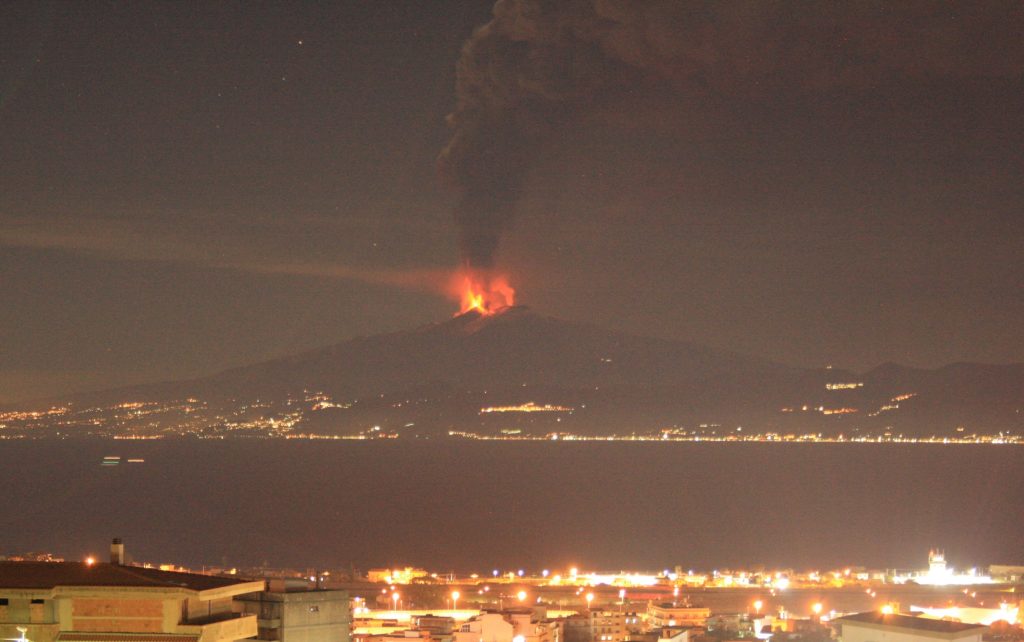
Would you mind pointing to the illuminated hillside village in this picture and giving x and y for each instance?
(309, 416)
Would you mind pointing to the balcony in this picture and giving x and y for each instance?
(220, 628)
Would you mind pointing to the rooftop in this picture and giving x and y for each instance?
(909, 622)
(66, 636)
(47, 575)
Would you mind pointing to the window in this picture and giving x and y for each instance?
(37, 601)
(314, 609)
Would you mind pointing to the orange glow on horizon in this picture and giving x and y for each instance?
(484, 293)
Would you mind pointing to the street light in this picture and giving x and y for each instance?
(590, 598)
(817, 608)
(455, 600)
(394, 598)
(757, 606)
(521, 595)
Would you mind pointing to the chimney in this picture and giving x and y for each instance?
(117, 552)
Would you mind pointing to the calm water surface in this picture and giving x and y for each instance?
(480, 505)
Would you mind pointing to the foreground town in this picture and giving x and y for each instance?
(46, 599)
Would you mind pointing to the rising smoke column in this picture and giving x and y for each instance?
(539, 64)
(519, 76)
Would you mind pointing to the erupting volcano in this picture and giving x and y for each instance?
(482, 292)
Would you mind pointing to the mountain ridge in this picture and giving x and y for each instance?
(443, 376)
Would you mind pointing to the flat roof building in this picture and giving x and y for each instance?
(668, 614)
(597, 626)
(875, 626)
(512, 625)
(320, 615)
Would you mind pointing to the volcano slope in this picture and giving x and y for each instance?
(517, 372)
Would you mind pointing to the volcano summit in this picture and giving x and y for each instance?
(513, 372)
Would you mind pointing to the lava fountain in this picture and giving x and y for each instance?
(482, 292)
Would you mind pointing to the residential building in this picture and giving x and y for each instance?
(875, 626)
(486, 627)
(596, 626)
(668, 614)
(670, 634)
(407, 635)
(313, 615)
(515, 625)
(436, 625)
(667, 634)
(98, 602)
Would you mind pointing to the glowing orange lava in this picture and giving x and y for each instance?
(483, 293)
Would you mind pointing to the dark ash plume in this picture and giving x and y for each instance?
(539, 63)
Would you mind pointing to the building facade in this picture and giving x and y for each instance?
(517, 625)
(671, 615)
(96, 602)
(875, 626)
(319, 615)
(597, 626)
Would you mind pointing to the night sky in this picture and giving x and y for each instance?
(186, 187)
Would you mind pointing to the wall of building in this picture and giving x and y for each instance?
(300, 616)
(197, 609)
(857, 633)
(27, 610)
(489, 627)
(117, 615)
(596, 626)
(37, 615)
(660, 616)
